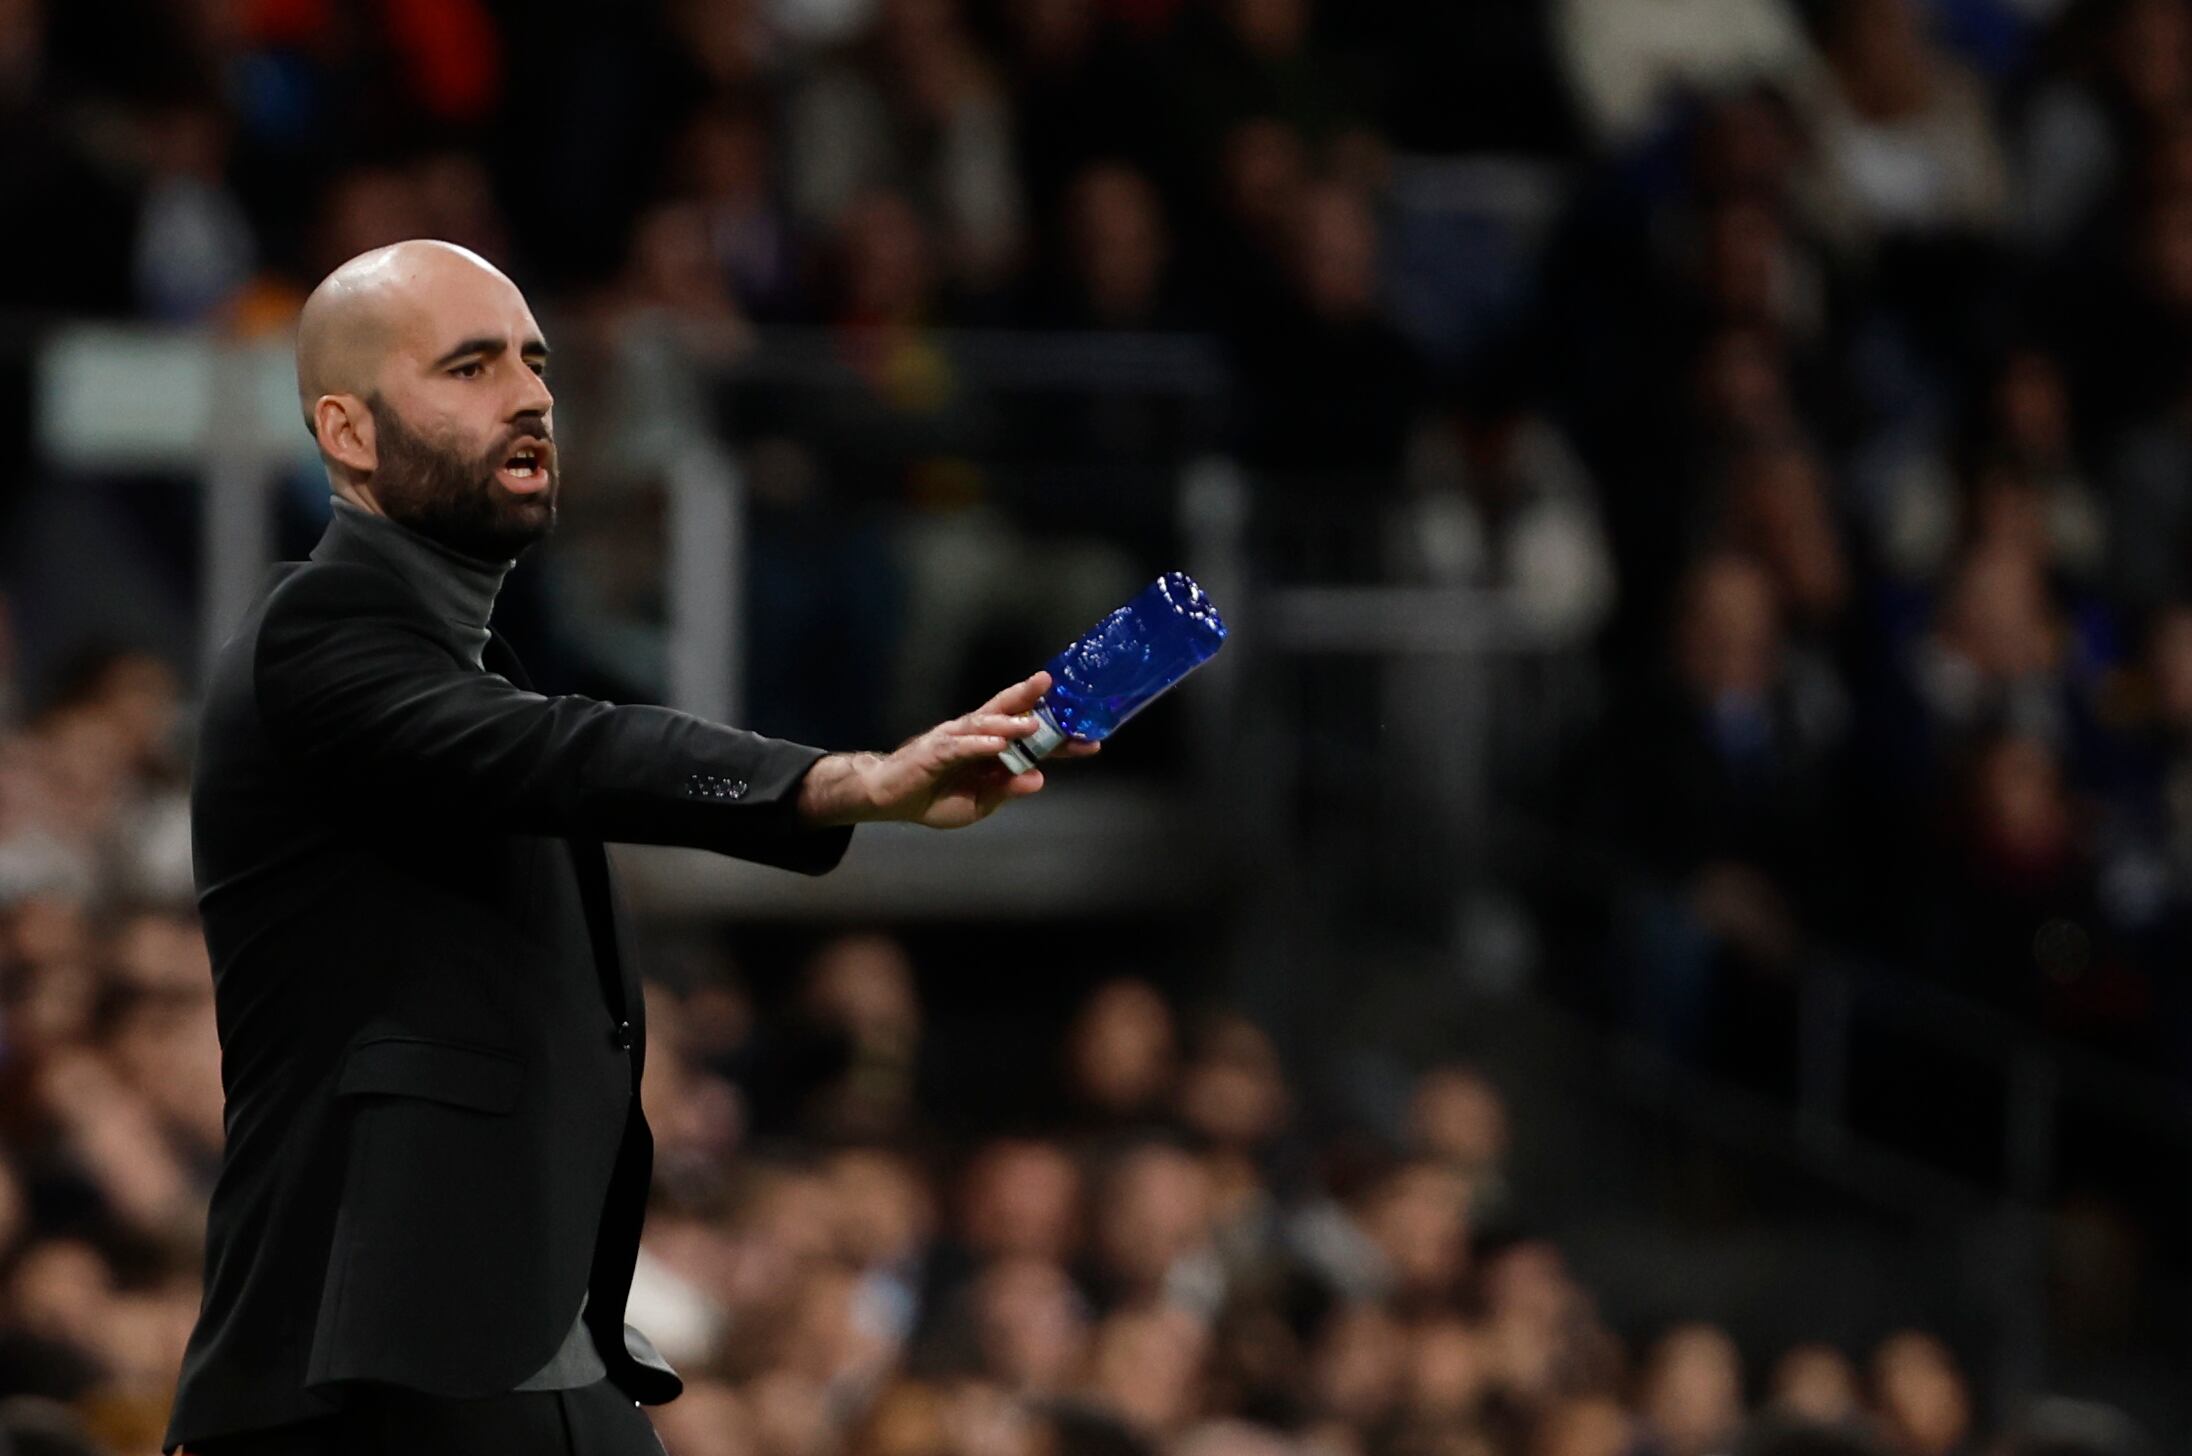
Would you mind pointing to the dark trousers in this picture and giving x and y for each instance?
(595, 1420)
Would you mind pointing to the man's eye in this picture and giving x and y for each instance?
(538, 366)
(467, 371)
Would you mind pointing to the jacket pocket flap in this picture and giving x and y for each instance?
(439, 1071)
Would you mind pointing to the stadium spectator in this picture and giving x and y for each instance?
(1631, 66)
(1816, 1384)
(1923, 1403)
(1729, 799)
(1693, 1390)
(1121, 1056)
(726, 169)
(914, 106)
(1501, 503)
(1334, 385)
(1905, 143)
(1117, 254)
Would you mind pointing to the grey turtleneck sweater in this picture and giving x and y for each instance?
(461, 590)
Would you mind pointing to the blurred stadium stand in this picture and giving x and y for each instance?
(1671, 909)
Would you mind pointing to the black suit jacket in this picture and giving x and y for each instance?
(430, 1042)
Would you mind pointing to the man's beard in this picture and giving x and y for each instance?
(436, 489)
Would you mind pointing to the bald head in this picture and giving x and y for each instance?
(351, 319)
(420, 373)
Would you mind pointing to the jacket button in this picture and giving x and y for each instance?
(621, 1038)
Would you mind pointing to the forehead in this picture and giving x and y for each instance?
(448, 302)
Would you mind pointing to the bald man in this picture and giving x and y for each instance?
(436, 1165)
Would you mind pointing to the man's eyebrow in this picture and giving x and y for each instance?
(484, 345)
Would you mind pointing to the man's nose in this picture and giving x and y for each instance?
(534, 396)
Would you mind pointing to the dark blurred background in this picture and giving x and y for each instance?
(1670, 914)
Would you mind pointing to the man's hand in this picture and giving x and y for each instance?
(947, 778)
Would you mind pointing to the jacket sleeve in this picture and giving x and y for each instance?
(356, 693)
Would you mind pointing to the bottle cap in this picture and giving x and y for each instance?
(1021, 755)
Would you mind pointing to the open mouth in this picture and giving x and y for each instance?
(525, 469)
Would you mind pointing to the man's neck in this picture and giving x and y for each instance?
(459, 589)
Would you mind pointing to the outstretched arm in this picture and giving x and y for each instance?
(370, 708)
(947, 778)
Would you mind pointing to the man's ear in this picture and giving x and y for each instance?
(344, 427)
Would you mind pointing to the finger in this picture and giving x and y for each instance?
(1076, 748)
(1019, 786)
(1003, 725)
(968, 747)
(1020, 697)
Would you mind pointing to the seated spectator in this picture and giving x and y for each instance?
(1146, 1368)
(913, 107)
(1751, 267)
(1117, 254)
(1333, 386)
(1905, 142)
(726, 170)
(1500, 502)
(1727, 776)
(1922, 1398)
(1779, 511)
(1629, 65)
(2020, 849)
(195, 248)
(1021, 1198)
(1998, 654)
(1153, 1222)
(843, 1060)
(1458, 1118)
(860, 990)
(1089, 86)
(1245, 236)
(1031, 1326)
(1122, 1057)
(1232, 1095)
(1817, 1384)
(1417, 1219)
(1741, 394)
(1357, 1367)
(674, 284)
(2021, 460)
(2085, 128)
(1693, 1390)
(1545, 1332)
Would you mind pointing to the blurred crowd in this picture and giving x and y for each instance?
(1820, 369)
(1819, 365)
(1161, 1250)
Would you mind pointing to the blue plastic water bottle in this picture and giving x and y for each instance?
(1122, 665)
